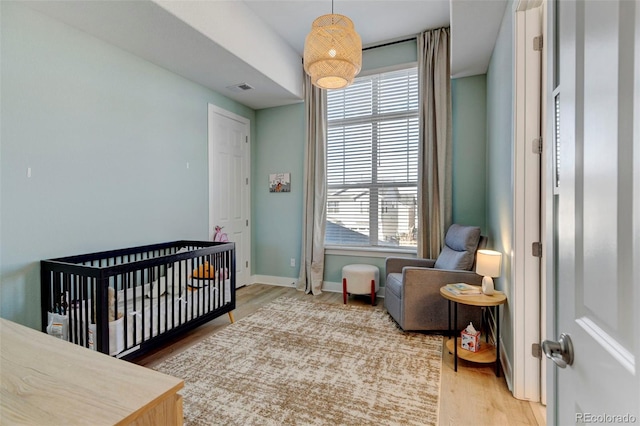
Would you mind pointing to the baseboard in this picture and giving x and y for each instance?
(506, 367)
(272, 280)
(328, 286)
(333, 287)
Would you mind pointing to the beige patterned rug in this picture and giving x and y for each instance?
(303, 363)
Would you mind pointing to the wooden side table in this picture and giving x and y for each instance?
(487, 353)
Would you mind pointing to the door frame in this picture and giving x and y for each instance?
(527, 174)
(216, 110)
(549, 200)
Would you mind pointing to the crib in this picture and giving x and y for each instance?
(127, 302)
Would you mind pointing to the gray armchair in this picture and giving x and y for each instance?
(412, 290)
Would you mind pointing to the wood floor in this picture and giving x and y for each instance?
(472, 396)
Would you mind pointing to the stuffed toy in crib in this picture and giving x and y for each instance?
(206, 271)
(111, 304)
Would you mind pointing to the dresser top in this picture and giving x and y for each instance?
(45, 380)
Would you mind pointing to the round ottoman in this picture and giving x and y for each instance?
(360, 279)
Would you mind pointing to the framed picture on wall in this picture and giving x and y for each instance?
(280, 182)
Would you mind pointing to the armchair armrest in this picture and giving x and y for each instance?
(435, 278)
(396, 264)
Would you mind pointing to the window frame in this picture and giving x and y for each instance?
(371, 250)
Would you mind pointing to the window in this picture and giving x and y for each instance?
(372, 161)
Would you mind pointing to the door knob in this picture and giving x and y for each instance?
(560, 352)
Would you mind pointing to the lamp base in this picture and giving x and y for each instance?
(487, 286)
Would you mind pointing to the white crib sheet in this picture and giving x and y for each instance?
(142, 313)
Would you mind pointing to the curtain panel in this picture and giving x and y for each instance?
(435, 156)
(315, 191)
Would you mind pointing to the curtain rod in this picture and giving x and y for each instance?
(390, 43)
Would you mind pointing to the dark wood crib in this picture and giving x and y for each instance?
(126, 302)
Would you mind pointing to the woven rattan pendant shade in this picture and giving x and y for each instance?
(332, 52)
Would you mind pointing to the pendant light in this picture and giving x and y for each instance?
(332, 51)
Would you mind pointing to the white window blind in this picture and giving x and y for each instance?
(372, 161)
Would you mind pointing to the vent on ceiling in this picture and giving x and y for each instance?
(240, 87)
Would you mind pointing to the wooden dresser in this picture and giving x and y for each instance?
(45, 380)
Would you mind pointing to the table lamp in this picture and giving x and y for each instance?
(488, 264)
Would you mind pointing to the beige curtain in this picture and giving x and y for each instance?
(434, 180)
(315, 191)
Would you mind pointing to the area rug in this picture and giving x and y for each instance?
(307, 363)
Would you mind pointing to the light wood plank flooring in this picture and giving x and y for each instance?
(472, 396)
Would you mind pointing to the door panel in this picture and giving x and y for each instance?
(229, 165)
(598, 208)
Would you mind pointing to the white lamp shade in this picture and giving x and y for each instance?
(488, 263)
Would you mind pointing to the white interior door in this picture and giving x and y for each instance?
(229, 190)
(598, 292)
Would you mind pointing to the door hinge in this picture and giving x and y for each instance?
(246, 264)
(247, 222)
(246, 181)
(536, 145)
(536, 350)
(537, 43)
(536, 249)
(246, 139)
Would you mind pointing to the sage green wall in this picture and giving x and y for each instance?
(107, 136)
(277, 217)
(469, 118)
(279, 147)
(389, 56)
(500, 110)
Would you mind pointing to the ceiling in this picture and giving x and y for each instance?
(375, 21)
(222, 43)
